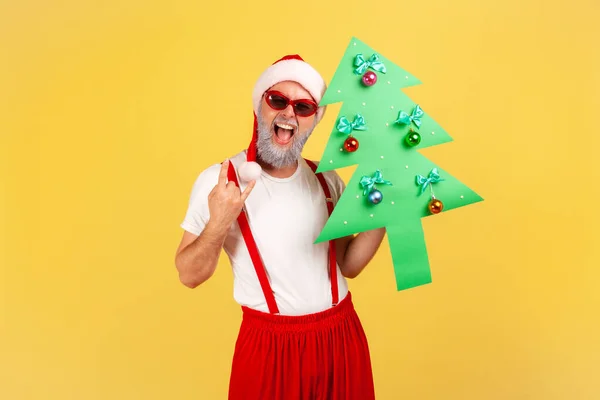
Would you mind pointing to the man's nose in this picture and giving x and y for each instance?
(288, 111)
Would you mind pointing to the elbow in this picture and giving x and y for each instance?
(192, 280)
(189, 281)
(188, 278)
(352, 270)
(349, 272)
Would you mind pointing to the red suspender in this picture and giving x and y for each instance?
(255, 255)
(253, 250)
(332, 255)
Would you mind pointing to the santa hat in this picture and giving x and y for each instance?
(289, 68)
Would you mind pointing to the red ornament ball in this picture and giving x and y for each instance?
(369, 78)
(436, 206)
(351, 144)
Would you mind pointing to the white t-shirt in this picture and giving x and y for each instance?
(285, 216)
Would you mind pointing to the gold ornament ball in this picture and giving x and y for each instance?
(436, 206)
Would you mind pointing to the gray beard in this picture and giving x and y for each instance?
(274, 155)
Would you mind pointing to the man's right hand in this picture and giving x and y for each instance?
(225, 201)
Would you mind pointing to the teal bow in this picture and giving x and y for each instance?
(345, 126)
(415, 117)
(373, 62)
(433, 177)
(367, 182)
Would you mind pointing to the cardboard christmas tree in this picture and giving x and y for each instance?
(381, 130)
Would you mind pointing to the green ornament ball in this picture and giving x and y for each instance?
(413, 139)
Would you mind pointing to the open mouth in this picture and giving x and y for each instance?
(284, 133)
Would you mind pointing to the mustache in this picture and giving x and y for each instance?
(285, 121)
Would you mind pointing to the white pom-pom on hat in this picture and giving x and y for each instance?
(249, 171)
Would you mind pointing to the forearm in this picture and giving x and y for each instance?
(360, 251)
(197, 262)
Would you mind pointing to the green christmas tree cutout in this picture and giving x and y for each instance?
(381, 130)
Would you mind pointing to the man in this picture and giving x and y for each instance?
(300, 337)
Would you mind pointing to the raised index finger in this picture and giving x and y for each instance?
(223, 173)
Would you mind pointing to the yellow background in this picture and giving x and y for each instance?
(109, 110)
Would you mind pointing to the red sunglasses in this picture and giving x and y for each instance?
(302, 107)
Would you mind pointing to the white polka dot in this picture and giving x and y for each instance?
(364, 104)
(354, 43)
(345, 222)
(371, 215)
(462, 197)
(357, 196)
(406, 76)
(392, 107)
(389, 83)
(433, 133)
(387, 124)
(393, 203)
(341, 149)
(382, 157)
(330, 161)
(339, 91)
(407, 167)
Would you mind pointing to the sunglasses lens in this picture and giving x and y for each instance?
(277, 102)
(304, 108)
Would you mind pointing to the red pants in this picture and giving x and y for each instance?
(322, 356)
